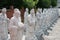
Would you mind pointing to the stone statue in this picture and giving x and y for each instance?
(39, 21)
(25, 18)
(26, 15)
(3, 13)
(38, 15)
(16, 27)
(3, 25)
(31, 26)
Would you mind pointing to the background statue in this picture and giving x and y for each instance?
(31, 26)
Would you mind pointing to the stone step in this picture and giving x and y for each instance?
(55, 33)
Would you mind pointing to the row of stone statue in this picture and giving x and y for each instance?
(35, 24)
(38, 23)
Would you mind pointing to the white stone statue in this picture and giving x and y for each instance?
(40, 24)
(38, 15)
(44, 11)
(31, 26)
(26, 15)
(3, 25)
(40, 10)
(16, 27)
(25, 18)
(3, 13)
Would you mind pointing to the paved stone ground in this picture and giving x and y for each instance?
(55, 33)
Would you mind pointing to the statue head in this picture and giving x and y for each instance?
(44, 10)
(4, 10)
(32, 11)
(27, 9)
(16, 12)
(40, 9)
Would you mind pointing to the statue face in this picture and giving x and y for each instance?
(45, 10)
(16, 12)
(32, 11)
(27, 9)
(4, 10)
(38, 10)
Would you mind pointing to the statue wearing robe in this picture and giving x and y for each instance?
(16, 27)
(3, 25)
(25, 18)
(31, 26)
(26, 15)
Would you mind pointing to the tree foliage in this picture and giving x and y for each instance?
(28, 3)
(3, 3)
(7, 3)
(53, 3)
(44, 3)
